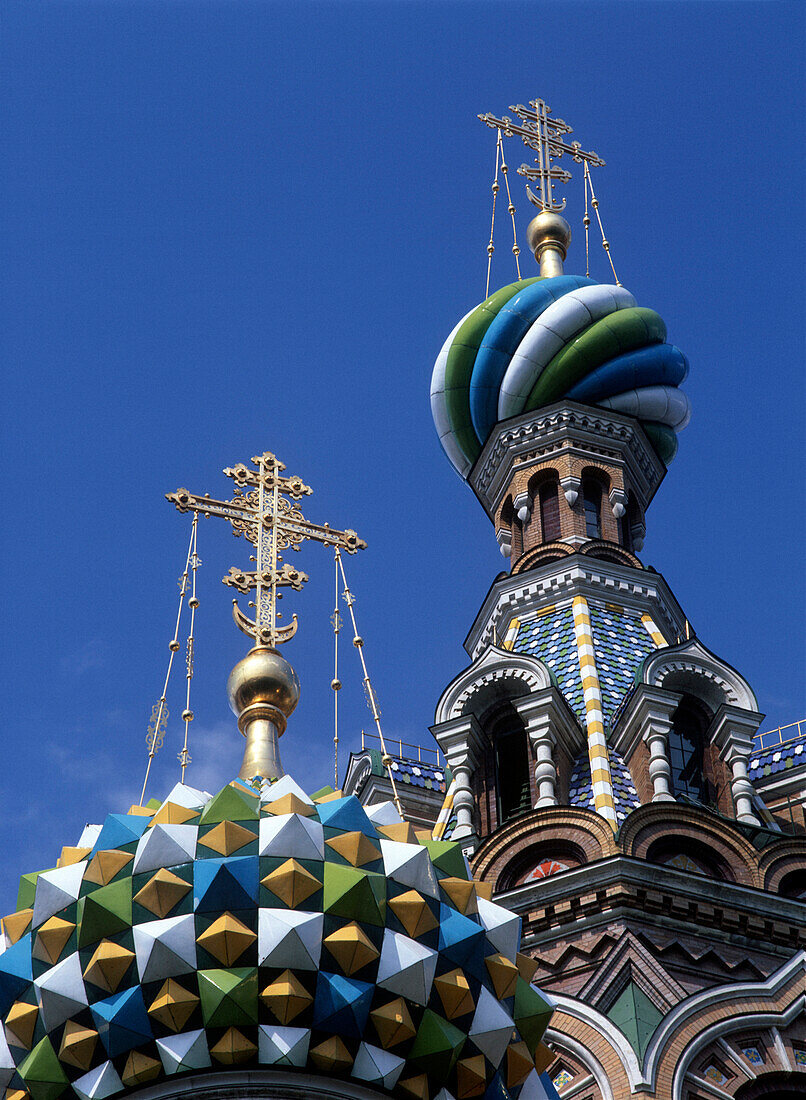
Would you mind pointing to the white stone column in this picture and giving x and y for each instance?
(461, 740)
(648, 718)
(732, 732)
(547, 723)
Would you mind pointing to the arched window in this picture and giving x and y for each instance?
(686, 745)
(592, 502)
(511, 764)
(549, 511)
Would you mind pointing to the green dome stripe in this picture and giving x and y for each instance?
(461, 358)
(620, 332)
(663, 439)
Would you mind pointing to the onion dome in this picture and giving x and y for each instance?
(269, 932)
(540, 340)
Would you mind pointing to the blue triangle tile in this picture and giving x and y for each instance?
(342, 1005)
(122, 1021)
(225, 884)
(15, 972)
(347, 815)
(460, 939)
(120, 829)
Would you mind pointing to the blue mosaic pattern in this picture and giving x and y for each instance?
(416, 773)
(778, 758)
(551, 639)
(625, 796)
(622, 643)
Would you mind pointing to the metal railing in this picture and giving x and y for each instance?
(781, 736)
(392, 741)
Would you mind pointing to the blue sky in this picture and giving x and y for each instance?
(230, 227)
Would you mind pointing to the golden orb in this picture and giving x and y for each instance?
(263, 676)
(548, 229)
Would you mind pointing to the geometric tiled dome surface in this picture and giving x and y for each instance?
(262, 930)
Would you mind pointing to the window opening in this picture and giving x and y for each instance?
(592, 500)
(549, 511)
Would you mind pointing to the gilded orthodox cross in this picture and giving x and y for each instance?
(546, 135)
(265, 511)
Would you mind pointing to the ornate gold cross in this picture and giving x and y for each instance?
(262, 511)
(546, 136)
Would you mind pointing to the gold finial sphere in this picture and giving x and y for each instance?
(263, 676)
(548, 230)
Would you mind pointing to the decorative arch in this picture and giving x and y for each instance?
(541, 555)
(661, 821)
(609, 551)
(496, 674)
(691, 669)
(779, 860)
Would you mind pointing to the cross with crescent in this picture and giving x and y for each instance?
(265, 511)
(546, 135)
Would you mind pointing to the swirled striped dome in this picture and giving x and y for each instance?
(542, 339)
(273, 932)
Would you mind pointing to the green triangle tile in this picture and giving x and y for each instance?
(105, 912)
(437, 1045)
(153, 804)
(354, 894)
(42, 1072)
(321, 793)
(229, 997)
(27, 889)
(531, 1013)
(230, 804)
(447, 857)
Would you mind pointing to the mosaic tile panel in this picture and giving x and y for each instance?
(551, 639)
(622, 642)
(625, 796)
(778, 758)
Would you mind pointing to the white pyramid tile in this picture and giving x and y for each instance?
(410, 865)
(60, 991)
(289, 939)
(185, 1051)
(503, 927)
(383, 813)
(165, 846)
(533, 1088)
(443, 1094)
(291, 835)
(377, 1066)
(406, 967)
(55, 889)
(98, 1083)
(287, 1046)
(165, 948)
(6, 1061)
(189, 797)
(492, 1026)
(89, 835)
(270, 792)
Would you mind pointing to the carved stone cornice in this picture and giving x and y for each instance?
(534, 437)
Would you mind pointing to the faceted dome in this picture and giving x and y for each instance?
(542, 339)
(266, 932)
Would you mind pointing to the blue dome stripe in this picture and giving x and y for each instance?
(659, 364)
(501, 340)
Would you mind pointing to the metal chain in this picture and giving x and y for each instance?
(511, 208)
(372, 702)
(495, 189)
(159, 712)
(586, 222)
(605, 242)
(193, 603)
(335, 683)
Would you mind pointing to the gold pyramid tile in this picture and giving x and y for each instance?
(355, 848)
(351, 947)
(519, 1063)
(484, 889)
(454, 992)
(329, 797)
(103, 866)
(109, 965)
(173, 1006)
(51, 939)
(16, 1094)
(461, 892)
(544, 1056)
(233, 1047)
(400, 831)
(527, 968)
(289, 804)
(170, 813)
(415, 1087)
(162, 892)
(20, 1024)
(470, 1077)
(393, 1023)
(227, 939)
(78, 1045)
(227, 837)
(291, 883)
(140, 811)
(15, 925)
(422, 835)
(71, 855)
(504, 975)
(286, 997)
(411, 909)
(140, 1068)
(331, 1056)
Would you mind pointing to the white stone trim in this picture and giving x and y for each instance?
(617, 1040)
(692, 658)
(556, 1039)
(493, 666)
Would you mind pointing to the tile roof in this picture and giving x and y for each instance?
(625, 796)
(777, 758)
